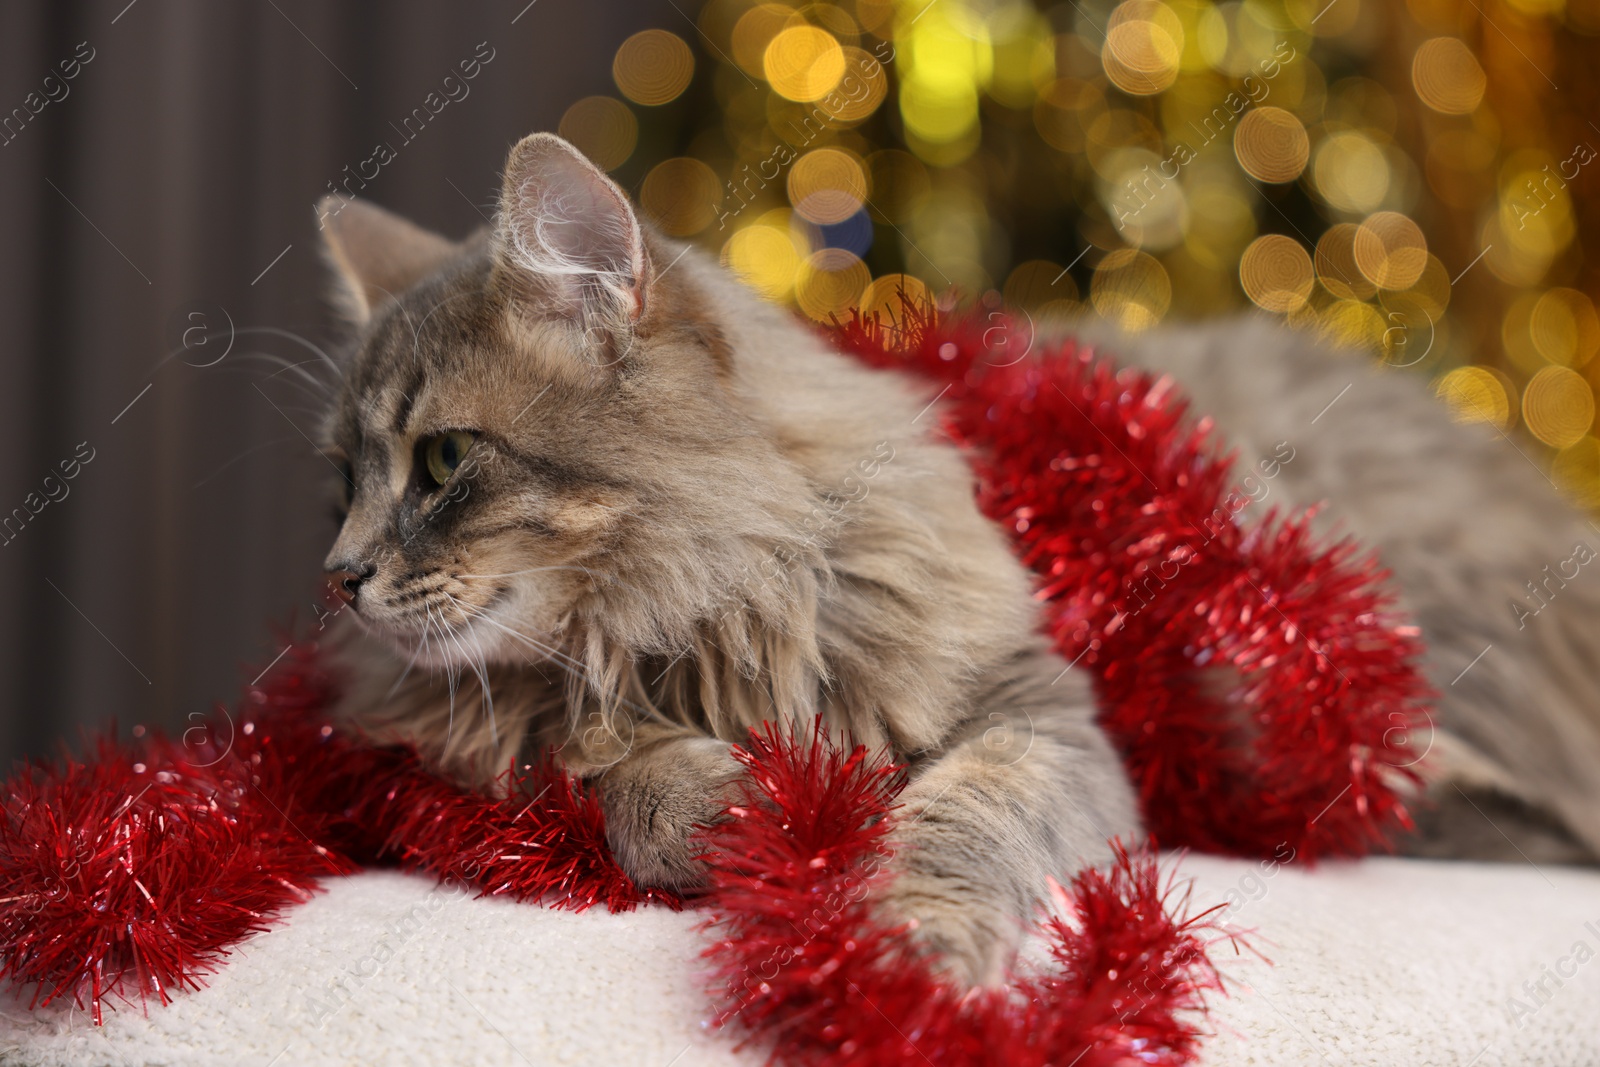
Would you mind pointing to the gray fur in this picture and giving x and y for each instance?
(1465, 519)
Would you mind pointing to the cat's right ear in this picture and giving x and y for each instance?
(375, 254)
(567, 242)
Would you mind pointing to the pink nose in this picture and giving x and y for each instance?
(346, 584)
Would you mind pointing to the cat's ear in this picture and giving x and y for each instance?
(375, 253)
(567, 241)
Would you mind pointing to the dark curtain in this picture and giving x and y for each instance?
(163, 510)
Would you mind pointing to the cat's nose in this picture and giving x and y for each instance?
(346, 581)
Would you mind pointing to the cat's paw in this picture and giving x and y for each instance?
(967, 936)
(656, 802)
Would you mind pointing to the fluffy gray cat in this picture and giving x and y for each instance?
(601, 497)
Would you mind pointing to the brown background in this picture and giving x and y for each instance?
(185, 158)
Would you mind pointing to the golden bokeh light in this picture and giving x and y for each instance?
(1271, 144)
(828, 185)
(766, 255)
(1143, 47)
(883, 295)
(862, 89)
(603, 128)
(1576, 469)
(1390, 251)
(1131, 289)
(1558, 407)
(753, 32)
(682, 195)
(1351, 172)
(1564, 328)
(1353, 324)
(1430, 293)
(803, 63)
(947, 59)
(653, 67)
(1475, 394)
(1275, 273)
(829, 282)
(1336, 263)
(1447, 76)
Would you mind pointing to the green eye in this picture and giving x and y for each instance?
(444, 453)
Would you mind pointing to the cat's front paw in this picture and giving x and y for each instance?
(655, 802)
(968, 937)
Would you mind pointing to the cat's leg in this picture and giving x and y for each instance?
(668, 783)
(1029, 789)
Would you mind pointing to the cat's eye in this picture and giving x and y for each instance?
(444, 452)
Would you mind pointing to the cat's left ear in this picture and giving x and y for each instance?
(376, 254)
(567, 241)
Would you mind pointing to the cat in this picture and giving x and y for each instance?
(600, 497)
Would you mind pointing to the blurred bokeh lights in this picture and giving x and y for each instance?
(1411, 177)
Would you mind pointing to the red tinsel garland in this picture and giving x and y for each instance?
(1155, 587)
(132, 874)
(806, 967)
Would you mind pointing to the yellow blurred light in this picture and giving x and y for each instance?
(829, 282)
(1211, 37)
(1447, 76)
(861, 90)
(1352, 324)
(653, 67)
(1275, 273)
(946, 61)
(883, 296)
(1518, 258)
(1537, 8)
(602, 128)
(1350, 172)
(1474, 394)
(1390, 250)
(682, 195)
(834, 18)
(876, 17)
(1143, 47)
(1019, 37)
(1150, 211)
(1336, 263)
(1221, 224)
(828, 185)
(753, 32)
(803, 63)
(1271, 144)
(1131, 289)
(1558, 407)
(940, 114)
(1516, 334)
(1429, 294)
(1535, 213)
(1564, 327)
(1577, 470)
(765, 255)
